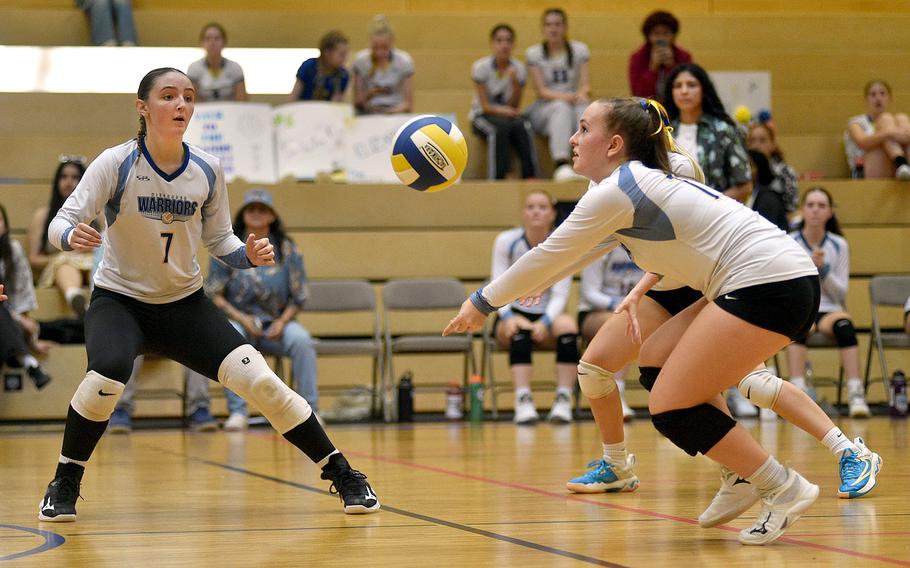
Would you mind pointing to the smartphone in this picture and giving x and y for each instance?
(662, 43)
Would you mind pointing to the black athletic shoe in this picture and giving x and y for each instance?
(38, 376)
(351, 486)
(59, 503)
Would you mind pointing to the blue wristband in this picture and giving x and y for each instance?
(65, 239)
(482, 305)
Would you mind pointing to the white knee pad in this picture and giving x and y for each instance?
(761, 387)
(97, 396)
(245, 372)
(595, 382)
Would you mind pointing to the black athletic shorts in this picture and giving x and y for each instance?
(818, 317)
(528, 316)
(788, 307)
(191, 331)
(676, 300)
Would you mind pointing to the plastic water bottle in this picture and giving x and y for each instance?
(476, 396)
(899, 395)
(454, 402)
(406, 398)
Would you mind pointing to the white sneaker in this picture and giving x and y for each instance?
(236, 422)
(561, 413)
(735, 497)
(856, 401)
(902, 173)
(740, 405)
(565, 173)
(627, 413)
(766, 414)
(780, 508)
(525, 413)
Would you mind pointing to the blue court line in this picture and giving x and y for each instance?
(51, 540)
(418, 516)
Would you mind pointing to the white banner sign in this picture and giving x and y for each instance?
(309, 138)
(751, 89)
(368, 147)
(240, 135)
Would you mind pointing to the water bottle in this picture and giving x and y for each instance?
(454, 402)
(406, 398)
(476, 395)
(899, 395)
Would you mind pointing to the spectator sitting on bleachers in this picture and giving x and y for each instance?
(18, 332)
(262, 303)
(105, 15)
(383, 74)
(878, 142)
(558, 69)
(819, 233)
(324, 78)
(705, 130)
(216, 78)
(604, 285)
(499, 81)
(764, 200)
(762, 137)
(68, 271)
(519, 328)
(650, 65)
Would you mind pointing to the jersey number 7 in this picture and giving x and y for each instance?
(167, 245)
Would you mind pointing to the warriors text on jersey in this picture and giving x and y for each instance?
(153, 221)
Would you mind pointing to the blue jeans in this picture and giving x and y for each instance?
(296, 343)
(103, 14)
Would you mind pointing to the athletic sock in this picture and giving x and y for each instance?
(521, 391)
(835, 441)
(616, 453)
(71, 293)
(29, 361)
(80, 436)
(855, 384)
(311, 439)
(565, 391)
(770, 475)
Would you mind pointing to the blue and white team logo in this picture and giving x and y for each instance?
(166, 208)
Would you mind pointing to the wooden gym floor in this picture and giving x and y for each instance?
(452, 494)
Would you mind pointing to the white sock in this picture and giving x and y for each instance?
(835, 441)
(71, 293)
(566, 391)
(616, 453)
(64, 459)
(798, 382)
(855, 385)
(770, 475)
(521, 391)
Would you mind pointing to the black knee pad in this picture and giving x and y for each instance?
(520, 348)
(696, 429)
(844, 333)
(567, 348)
(648, 377)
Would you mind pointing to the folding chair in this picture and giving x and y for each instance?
(349, 297)
(422, 294)
(891, 291)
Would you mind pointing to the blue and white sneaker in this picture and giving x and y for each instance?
(606, 477)
(120, 422)
(858, 471)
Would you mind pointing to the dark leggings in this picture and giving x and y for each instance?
(191, 331)
(503, 133)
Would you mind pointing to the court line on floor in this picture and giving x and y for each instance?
(647, 512)
(411, 514)
(51, 540)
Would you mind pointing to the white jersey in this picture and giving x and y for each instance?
(606, 282)
(508, 247)
(215, 84)
(498, 86)
(834, 275)
(557, 73)
(672, 226)
(153, 221)
(389, 79)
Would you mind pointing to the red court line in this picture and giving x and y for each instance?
(637, 510)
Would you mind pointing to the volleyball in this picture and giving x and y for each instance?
(429, 154)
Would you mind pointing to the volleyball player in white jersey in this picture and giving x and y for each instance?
(159, 197)
(522, 328)
(820, 235)
(763, 290)
(559, 73)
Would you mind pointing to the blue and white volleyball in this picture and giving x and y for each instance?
(430, 153)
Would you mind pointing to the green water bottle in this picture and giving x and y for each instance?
(476, 395)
